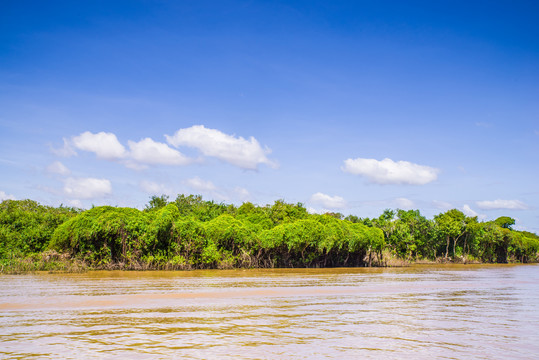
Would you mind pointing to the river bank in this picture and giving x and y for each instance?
(54, 262)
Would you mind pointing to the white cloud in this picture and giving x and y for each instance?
(404, 203)
(388, 171)
(58, 168)
(65, 151)
(327, 201)
(198, 184)
(104, 145)
(502, 204)
(312, 210)
(242, 193)
(246, 154)
(87, 188)
(75, 203)
(147, 151)
(4, 196)
(142, 153)
(468, 211)
(133, 165)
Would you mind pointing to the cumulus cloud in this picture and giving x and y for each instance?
(87, 188)
(468, 211)
(148, 151)
(142, 153)
(198, 184)
(404, 203)
(502, 204)
(58, 168)
(104, 145)
(388, 171)
(4, 196)
(246, 154)
(327, 201)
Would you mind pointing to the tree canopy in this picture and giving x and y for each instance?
(189, 232)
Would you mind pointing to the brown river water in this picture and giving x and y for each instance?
(425, 312)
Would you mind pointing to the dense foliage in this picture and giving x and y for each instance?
(192, 233)
(27, 227)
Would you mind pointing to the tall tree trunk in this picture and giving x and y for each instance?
(447, 247)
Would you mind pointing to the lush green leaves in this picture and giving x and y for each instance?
(192, 233)
(27, 227)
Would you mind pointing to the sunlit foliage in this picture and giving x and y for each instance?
(191, 233)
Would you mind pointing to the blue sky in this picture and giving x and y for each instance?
(349, 106)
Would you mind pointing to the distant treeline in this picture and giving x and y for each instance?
(191, 233)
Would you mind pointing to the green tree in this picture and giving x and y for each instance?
(26, 226)
(505, 222)
(451, 225)
(157, 202)
(282, 212)
(386, 222)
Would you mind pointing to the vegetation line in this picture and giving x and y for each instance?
(190, 233)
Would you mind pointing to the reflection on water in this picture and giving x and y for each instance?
(453, 312)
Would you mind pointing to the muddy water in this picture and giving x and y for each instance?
(452, 312)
